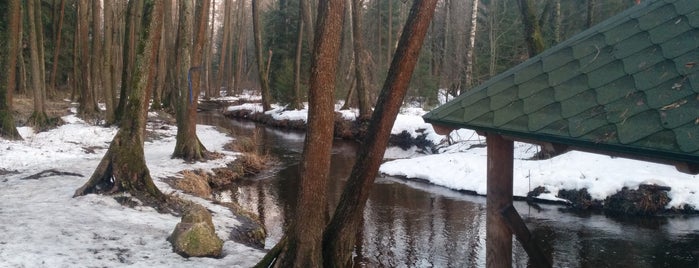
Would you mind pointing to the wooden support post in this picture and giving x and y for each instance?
(498, 242)
(537, 258)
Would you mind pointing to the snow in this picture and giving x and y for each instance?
(462, 166)
(44, 226)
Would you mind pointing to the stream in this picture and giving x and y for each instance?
(415, 224)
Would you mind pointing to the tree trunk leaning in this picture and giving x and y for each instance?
(340, 234)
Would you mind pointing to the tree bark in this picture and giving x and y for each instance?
(590, 19)
(304, 236)
(532, 29)
(96, 54)
(134, 14)
(242, 42)
(226, 28)
(296, 103)
(57, 50)
(264, 79)
(188, 146)
(123, 168)
(108, 67)
(361, 59)
(8, 61)
(471, 45)
(339, 238)
(87, 108)
(38, 119)
(307, 21)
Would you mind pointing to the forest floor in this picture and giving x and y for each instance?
(43, 225)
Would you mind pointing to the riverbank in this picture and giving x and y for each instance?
(578, 180)
(44, 226)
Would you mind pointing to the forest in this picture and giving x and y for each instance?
(118, 60)
(85, 49)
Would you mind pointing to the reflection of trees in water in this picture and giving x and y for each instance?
(406, 227)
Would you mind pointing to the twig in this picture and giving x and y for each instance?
(50, 172)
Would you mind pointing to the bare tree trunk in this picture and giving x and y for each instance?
(304, 236)
(471, 45)
(532, 29)
(340, 235)
(208, 55)
(188, 146)
(361, 59)
(134, 14)
(296, 100)
(123, 168)
(171, 76)
(8, 62)
(242, 41)
(590, 13)
(108, 64)
(307, 21)
(492, 38)
(226, 28)
(389, 40)
(264, 80)
(557, 22)
(87, 108)
(161, 78)
(57, 50)
(96, 54)
(38, 118)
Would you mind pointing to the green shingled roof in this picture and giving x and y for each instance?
(628, 85)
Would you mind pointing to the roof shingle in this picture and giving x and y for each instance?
(627, 85)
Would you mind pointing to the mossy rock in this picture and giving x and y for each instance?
(195, 235)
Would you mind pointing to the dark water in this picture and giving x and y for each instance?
(413, 224)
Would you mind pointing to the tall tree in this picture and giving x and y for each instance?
(340, 234)
(134, 14)
(57, 47)
(302, 246)
(533, 35)
(471, 45)
(296, 100)
(39, 119)
(227, 30)
(361, 59)
(96, 61)
(188, 145)
(123, 168)
(307, 18)
(87, 103)
(240, 48)
(264, 79)
(9, 41)
(108, 64)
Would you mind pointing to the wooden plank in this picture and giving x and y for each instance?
(499, 195)
(537, 258)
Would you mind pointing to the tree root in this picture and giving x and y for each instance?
(273, 255)
(49, 173)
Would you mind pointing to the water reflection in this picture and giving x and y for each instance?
(413, 224)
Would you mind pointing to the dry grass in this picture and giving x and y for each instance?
(194, 182)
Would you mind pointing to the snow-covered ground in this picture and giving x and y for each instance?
(42, 225)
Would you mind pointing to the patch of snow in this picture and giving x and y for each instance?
(44, 226)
